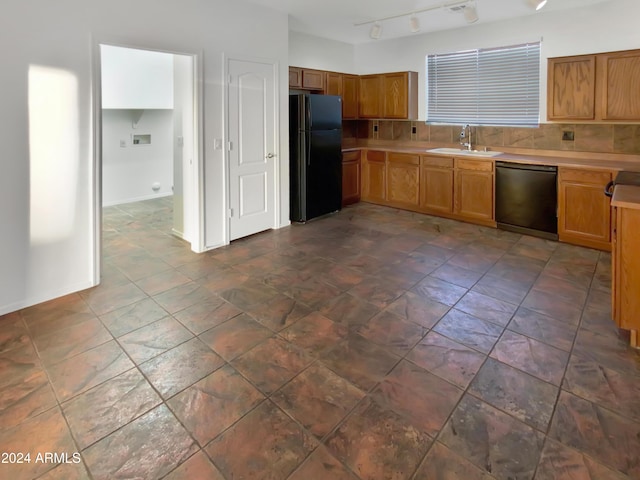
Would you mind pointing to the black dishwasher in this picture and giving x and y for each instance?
(527, 199)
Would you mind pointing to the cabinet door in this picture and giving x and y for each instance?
(619, 74)
(295, 77)
(403, 179)
(627, 272)
(370, 95)
(350, 178)
(615, 267)
(436, 184)
(349, 97)
(473, 189)
(584, 213)
(333, 83)
(571, 88)
(312, 79)
(394, 88)
(374, 178)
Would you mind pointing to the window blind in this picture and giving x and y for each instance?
(497, 86)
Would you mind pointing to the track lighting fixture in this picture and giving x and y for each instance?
(537, 4)
(376, 31)
(467, 7)
(470, 13)
(414, 24)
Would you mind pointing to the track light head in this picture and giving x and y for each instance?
(376, 31)
(414, 24)
(537, 4)
(470, 13)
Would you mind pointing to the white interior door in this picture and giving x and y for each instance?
(252, 155)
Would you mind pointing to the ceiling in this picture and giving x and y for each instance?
(335, 19)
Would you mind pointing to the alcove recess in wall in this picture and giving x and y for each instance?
(141, 140)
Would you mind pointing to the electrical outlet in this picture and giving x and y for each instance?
(567, 135)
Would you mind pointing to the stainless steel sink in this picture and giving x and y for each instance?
(460, 151)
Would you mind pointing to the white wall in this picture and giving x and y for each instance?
(183, 145)
(47, 116)
(321, 53)
(136, 78)
(603, 27)
(129, 173)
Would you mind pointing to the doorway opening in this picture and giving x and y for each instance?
(148, 151)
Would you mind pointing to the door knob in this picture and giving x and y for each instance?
(270, 155)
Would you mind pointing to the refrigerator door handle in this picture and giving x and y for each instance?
(308, 142)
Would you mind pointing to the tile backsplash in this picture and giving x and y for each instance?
(598, 138)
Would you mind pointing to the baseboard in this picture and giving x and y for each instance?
(45, 297)
(137, 199)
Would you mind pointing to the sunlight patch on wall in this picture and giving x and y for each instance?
(54, 153)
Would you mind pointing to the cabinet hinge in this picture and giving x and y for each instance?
(231, 213)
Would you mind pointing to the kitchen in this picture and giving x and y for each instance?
(392, 158)
(408, 391)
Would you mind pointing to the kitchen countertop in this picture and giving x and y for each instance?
(626, 196)
(590, 160)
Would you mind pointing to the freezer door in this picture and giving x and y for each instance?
(323, 173)
(324, 112)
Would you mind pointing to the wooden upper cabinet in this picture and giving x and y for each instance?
(571, 88)
(619, 74)
(400, 95)
(306, 78)
(312, 79)
(389, 95)
(600, 87)
(349, 96)
(295, 77)
(333, 83)
(370, 92)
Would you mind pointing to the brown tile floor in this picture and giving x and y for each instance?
(374, 344)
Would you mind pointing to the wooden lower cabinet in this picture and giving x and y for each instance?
(584, 213)
(450, 187)
(625, 260)
(403, 180)
(436, 184)
(374, 183)
(350, 177)
(474, 190)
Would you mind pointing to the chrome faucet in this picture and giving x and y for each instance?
(463, 135)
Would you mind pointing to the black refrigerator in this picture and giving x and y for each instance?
(315, 150)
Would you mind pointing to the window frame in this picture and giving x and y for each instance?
(509, 75)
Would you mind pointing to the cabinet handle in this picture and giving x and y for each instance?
(608, 191)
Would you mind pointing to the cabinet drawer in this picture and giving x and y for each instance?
(375, 156)
(404, 158)
(596, 177)
(472, 164)
(351, 156)
(442, 162)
